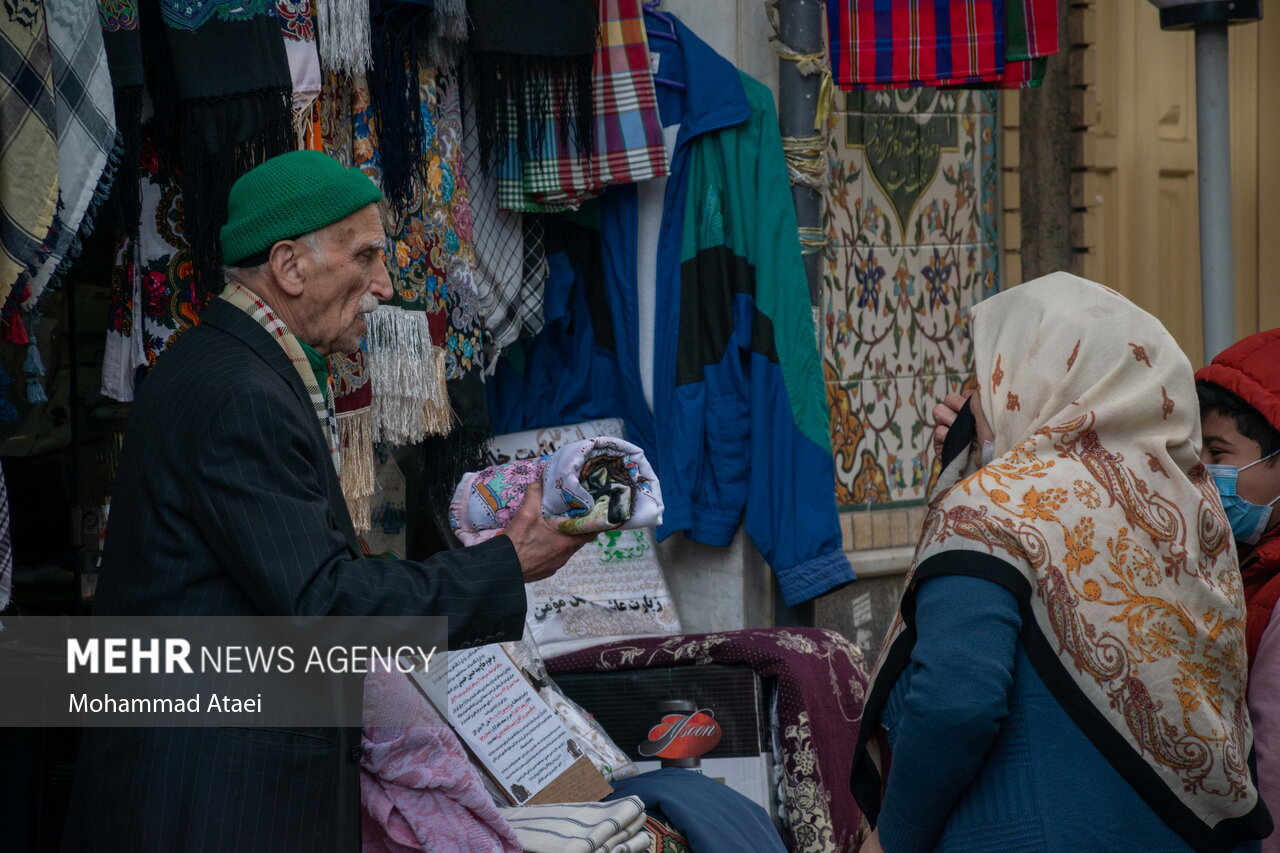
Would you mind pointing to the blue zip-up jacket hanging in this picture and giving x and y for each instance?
(738, 429)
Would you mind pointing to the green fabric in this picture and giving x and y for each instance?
(290, 195)
(749, 158)
(319, 366)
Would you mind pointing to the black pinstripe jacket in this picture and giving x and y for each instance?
(227, 504)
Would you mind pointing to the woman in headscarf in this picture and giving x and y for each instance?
(1067, 668)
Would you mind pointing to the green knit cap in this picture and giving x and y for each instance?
(289, 196)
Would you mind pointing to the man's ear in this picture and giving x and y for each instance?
(289, 262)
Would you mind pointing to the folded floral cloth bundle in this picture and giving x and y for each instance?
(589, 486)
(609, 827)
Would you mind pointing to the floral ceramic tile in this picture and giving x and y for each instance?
(912, 214)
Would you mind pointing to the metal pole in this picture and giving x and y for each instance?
(1213, 140)
(800, 28)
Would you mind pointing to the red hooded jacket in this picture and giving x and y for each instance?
(1250, 368)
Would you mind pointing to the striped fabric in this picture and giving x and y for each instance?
(86, 130)
(627, 142)
(895, 43)
(610, 827)
(253, 305)
(27, 144)
(978, 44)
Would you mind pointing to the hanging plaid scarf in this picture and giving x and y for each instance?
(155, 295)
(529, 68)
(510, 270)
(88, 151)
(228, 121)
(1031, 36)
(894, 43)
(321, 400)
(27, 143)
(627, 143)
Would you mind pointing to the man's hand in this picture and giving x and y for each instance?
(944, 415)
(541, 548)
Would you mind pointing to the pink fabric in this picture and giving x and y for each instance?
(417, 786)
(1264, 710)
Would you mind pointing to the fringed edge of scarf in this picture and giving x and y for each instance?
(410, 399)
(521, 92)
(207, 174)
(125, 200)
(448, 33)
(396, 95)
(345, 43)
(355, 437)
(88, 222)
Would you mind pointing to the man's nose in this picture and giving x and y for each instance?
(381, 285)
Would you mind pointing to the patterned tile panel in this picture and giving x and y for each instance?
(912, 219)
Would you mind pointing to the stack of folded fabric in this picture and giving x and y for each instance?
(589, 486)
(610, 827)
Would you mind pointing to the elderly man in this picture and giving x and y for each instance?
(227, 503)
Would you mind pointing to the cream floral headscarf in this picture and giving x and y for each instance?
(1097, 515)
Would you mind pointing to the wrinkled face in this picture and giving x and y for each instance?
(1224, 445)
(347, 279)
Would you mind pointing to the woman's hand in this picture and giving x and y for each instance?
(872, 844)
(944, 415)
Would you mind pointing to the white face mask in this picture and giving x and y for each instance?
(988, 452)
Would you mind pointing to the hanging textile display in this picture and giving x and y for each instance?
(343, 27)
(510, 269)
(985, 44)
(155, 292)
(448, 189)
(122, 43)
(398, 29)
(88, 153)
(28, 146)
(298, 26)
(229, 121)
(530, 67)
(627, 144)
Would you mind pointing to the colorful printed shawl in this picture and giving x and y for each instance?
(1098, 516)
(821, 680)
(28, 146)
(88, 150)
(298, 26)
(589, 486)
(155, 295)
(321, 399)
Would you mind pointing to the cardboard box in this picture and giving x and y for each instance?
(626, 704)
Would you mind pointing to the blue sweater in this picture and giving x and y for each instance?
(984, 758)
